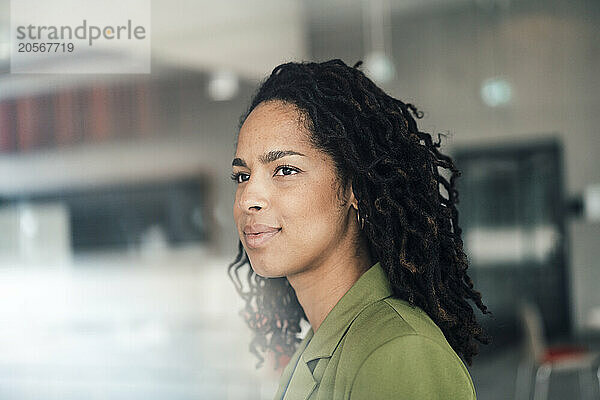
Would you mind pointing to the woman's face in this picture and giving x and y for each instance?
(288, 213)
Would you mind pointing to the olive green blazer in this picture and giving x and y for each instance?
(372, 346)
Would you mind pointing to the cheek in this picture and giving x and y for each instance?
(316, 212)
(237, 215)
(236, 209)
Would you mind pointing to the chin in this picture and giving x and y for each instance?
(264, 270)
(265, 273)
(259, 268)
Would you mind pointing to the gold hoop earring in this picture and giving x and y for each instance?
(361, 221)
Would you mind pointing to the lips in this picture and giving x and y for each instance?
(258, 234)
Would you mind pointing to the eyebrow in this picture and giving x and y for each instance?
(267, 157)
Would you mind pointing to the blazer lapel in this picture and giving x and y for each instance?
(302, 383)
(286, 375)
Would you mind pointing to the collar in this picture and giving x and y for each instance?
(371, 286)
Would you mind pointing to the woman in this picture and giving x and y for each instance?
(346, 221)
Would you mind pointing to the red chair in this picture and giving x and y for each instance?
(544, 360)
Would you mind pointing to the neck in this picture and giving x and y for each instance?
(319, 289)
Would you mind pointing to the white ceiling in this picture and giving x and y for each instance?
(251, 37)
(245, 37)
(248, 37)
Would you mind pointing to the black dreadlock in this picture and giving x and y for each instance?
(411, 220)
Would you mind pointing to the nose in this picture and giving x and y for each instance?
(253, 196)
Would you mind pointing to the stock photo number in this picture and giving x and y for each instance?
(47, 47)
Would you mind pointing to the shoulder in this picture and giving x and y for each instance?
(387, 319)
(400, 348)
(411, 367)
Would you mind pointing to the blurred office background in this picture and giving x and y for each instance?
(115, 197)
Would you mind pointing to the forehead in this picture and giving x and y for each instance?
(273, 124)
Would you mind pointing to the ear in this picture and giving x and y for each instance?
(351, 199)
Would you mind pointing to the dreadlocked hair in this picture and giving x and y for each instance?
(409, 207)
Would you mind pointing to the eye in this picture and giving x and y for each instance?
(286, 170)
(236, 177)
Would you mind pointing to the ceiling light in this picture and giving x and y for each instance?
(496, 92)
(379, 67)
(223, 85)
